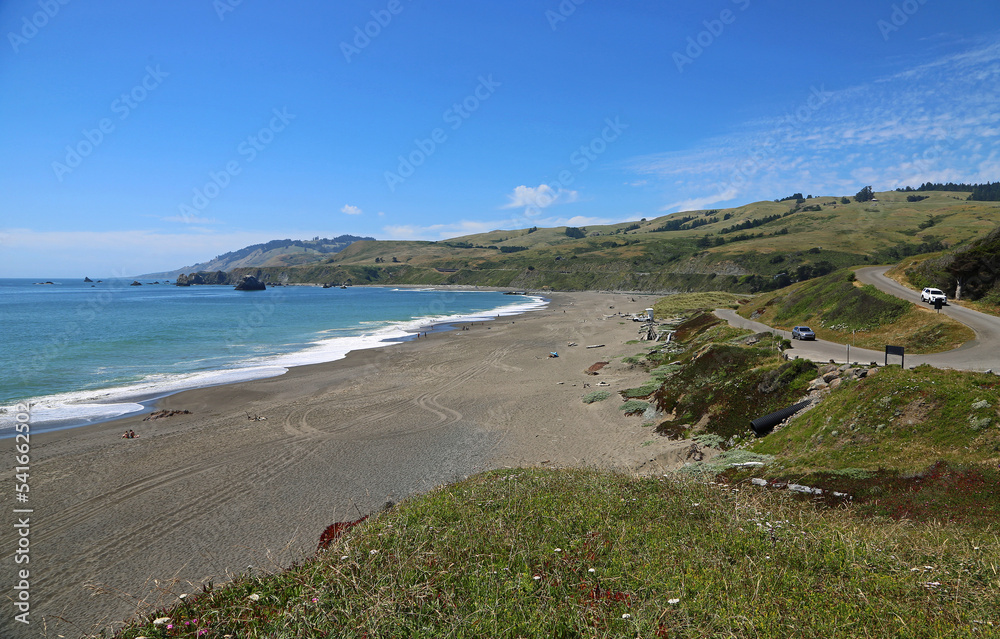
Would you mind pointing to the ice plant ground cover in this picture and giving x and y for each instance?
(543, 553)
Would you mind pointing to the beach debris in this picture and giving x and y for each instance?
(595, 367)
(603, 384)
(255, 417)
(553, 354)
(798, 488)
(572, 344)
(596, 346)
(161, 414)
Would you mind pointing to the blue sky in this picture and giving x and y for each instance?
(145, 136)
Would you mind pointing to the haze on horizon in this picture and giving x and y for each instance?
(141, 138)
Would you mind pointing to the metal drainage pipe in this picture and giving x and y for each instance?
(763, 425)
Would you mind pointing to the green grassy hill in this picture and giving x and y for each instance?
(757, 247)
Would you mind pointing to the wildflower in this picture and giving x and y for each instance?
(373, 552)
(626, 616)
(254, 597)
(203, 631)
(558, 550)
(170, 626)
(537, 577)
(673, 601)
(315, 599)
(591, 570)
(343, 557)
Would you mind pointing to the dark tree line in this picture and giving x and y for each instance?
(989, 192)
(749, 224)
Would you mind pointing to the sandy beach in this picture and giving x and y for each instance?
(121, 526)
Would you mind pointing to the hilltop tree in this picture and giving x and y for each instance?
(865, 195)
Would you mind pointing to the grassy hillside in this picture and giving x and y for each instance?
(839, 309)
(757, 247)
(536, 553)
(899, 419)
(274, 253)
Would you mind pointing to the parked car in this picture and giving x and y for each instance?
(930, 294)
(803, 332)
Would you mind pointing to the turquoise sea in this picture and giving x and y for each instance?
(86, 352)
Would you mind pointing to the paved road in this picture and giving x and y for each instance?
(982, 353)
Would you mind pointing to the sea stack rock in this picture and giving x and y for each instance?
(250, 283)
(88, 280)
(135, 283)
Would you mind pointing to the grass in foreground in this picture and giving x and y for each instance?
(536, 553)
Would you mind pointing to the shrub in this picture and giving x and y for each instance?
(642, 391)
(596, 396)
(634, 407)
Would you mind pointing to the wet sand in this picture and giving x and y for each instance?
(122, 526)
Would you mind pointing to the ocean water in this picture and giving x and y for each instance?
(82, 353)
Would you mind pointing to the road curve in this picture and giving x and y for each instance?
(981, 354)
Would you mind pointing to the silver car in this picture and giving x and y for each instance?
(803, 332)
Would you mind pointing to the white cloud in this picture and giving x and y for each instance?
(351, 210)
(927, 123)
(696, 204)
(540, 197)
(439, 231)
